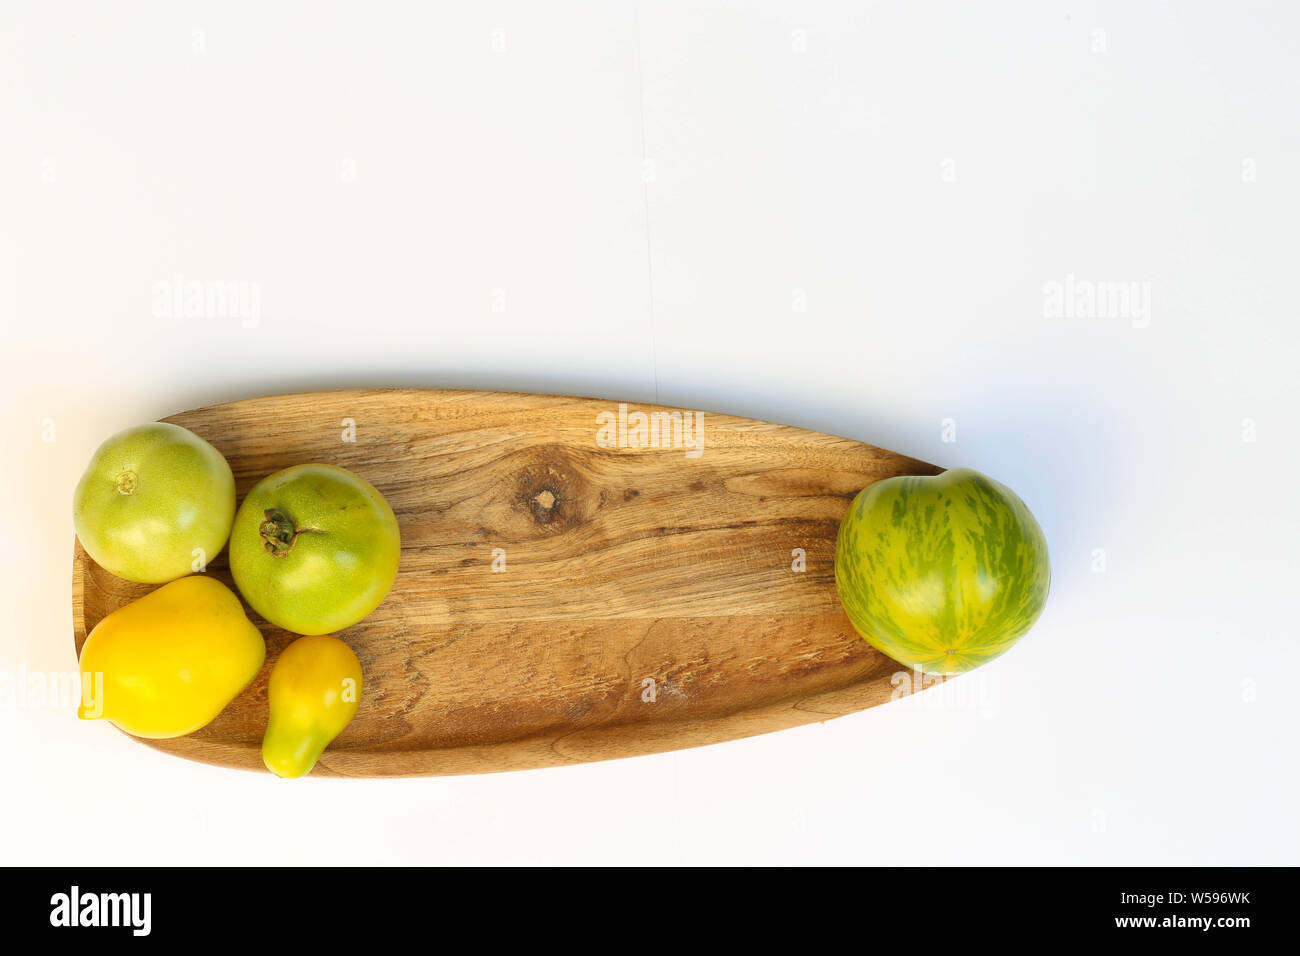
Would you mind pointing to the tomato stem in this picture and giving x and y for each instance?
(278, 533)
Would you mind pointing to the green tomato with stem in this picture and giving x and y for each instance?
(315, 548)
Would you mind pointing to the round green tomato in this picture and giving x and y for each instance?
(314, 549)
(155, 503)
(942, 574)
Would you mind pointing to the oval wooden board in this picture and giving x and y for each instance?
(563, 596)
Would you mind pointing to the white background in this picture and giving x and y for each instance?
(838, 216)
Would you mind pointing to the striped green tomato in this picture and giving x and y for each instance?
(942, 573)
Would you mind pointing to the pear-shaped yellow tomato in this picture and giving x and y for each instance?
(314, 692)
(167, 664)
(155, 503)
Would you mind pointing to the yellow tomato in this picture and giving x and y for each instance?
(167, 664)
(314, 692)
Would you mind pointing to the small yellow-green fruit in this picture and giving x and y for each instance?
(314, 692)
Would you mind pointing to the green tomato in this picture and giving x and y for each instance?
(155, 503)
(942, 574)
(314, 549)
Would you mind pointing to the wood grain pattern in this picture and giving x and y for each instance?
(622, 565)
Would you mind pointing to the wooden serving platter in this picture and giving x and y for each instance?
(580, 580)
